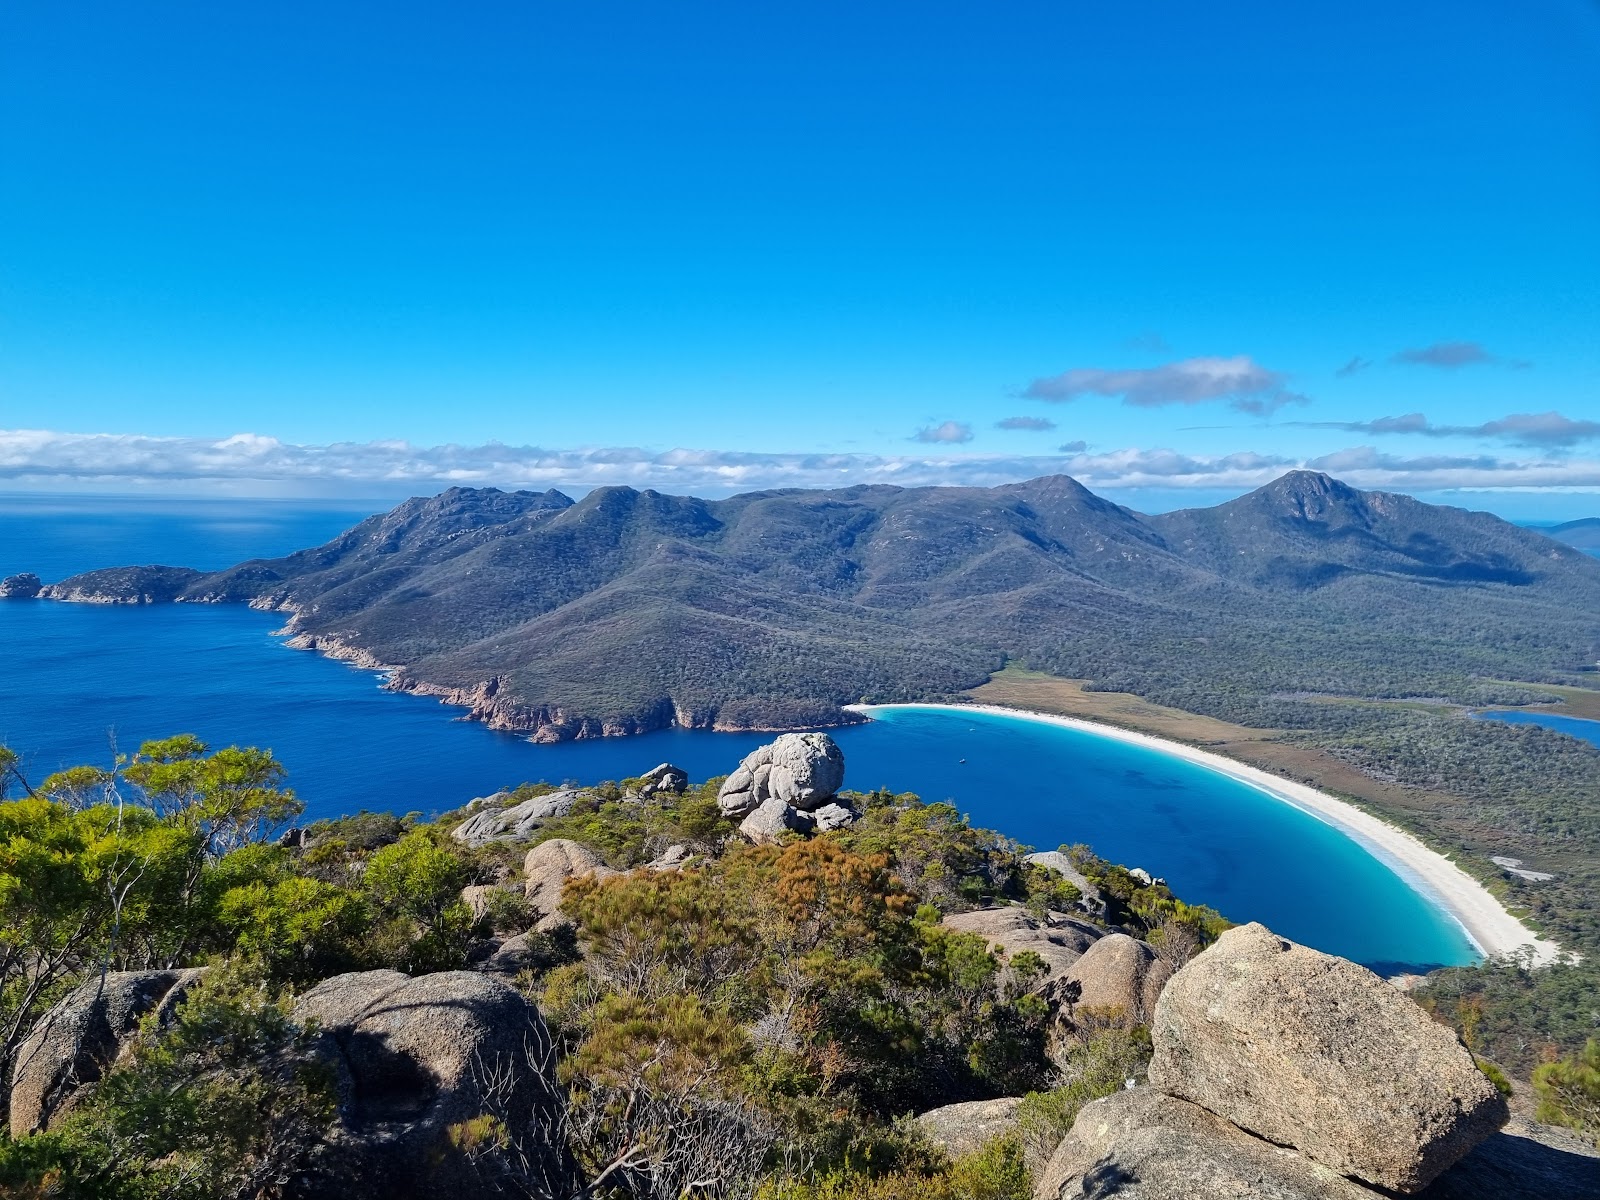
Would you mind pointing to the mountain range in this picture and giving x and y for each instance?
(1583, 534)
(632, 610)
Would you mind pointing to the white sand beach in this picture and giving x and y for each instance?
(1485, 920)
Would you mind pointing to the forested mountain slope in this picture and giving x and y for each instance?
(1583, 534)
(630, 610)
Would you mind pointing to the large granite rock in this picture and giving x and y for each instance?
(773, 819)
(519, 821)
(1116, 974)
(1141, 1145)
(834, 815)
(959, 1129)
(78, 1040)
(1311, 1051)
(20, 587)
(1060, 941)
(663, 778)
(414, 1058)
(548, 867)
(803, 770)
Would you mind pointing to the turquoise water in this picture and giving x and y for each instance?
(79, 676)
(74, 679)
(1578, 727)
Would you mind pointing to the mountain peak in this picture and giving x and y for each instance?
(1309, 496)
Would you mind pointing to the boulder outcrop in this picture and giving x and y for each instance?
(1117, 973)
(664, 778)
(959, 1129)
(1141, 1145)
(478, 896)
(1314, 1052)
(1060, 941)
(519, 821)
(774, 818)
(509, 957)
(414, 1058)
(25, 586)
(673, 858)
(803, 770)
(834, 816)
(548, 867)
(79, 1039)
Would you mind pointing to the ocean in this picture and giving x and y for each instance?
(82, 682)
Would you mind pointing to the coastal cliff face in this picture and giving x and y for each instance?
(20, 587)
(125, 585)
(629, 611)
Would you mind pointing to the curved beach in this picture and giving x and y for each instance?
(1467, 902)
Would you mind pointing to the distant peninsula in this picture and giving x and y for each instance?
(631, 610)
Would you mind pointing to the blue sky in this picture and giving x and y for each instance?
(709, 246)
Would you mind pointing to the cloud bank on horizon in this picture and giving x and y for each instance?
(253, 464)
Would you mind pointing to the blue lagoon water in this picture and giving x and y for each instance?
(1578, 727)
(76, 679)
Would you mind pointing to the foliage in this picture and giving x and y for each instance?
(226, 1102)
(414, 886)
(935, 853)
(1149, 908)
(1568, 1091)
(1098, 1067)
(627, 833)
(1514, 1013)
(229, 798)
(995, 1171)
(301, 929)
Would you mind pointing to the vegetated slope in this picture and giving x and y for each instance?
(1583, 534)
(630, 610)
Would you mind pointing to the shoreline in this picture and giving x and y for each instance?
(1471, 906)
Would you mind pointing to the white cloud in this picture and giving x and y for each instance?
(1243, 382)
(949, 431)
(249, 464)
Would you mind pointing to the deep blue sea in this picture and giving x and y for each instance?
(78, 677)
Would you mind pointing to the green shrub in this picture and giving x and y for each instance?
(1494, 1074)
(1569, 1091)
(1099, 1067)
(227, 1101)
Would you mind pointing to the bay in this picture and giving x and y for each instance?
(81, 682)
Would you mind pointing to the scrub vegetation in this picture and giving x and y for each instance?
(787, 1004)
